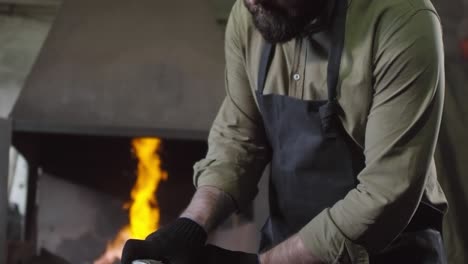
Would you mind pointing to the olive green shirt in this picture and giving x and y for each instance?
(391, 93)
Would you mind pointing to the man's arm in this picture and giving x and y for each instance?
(227, 178)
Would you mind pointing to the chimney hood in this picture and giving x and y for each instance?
(133, 68)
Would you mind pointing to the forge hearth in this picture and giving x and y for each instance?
(82, 183)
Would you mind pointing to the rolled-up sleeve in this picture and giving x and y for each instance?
(401, 133)
(238, 152)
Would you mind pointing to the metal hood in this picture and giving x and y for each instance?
(119, 67)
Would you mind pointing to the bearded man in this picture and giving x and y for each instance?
(344, 99)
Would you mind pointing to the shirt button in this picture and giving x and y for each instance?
(297, 77)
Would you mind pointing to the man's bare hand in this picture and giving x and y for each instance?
(291, 251)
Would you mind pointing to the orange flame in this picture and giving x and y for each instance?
(144, 214)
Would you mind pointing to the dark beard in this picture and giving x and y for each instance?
(276, 26)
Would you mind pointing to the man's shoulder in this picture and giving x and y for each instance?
(241, 22)
(390, 12)
(377, 20)
(378, 6)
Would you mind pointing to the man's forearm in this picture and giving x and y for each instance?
(209, 207)
(291, 251)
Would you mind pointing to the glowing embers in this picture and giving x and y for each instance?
(144, 214)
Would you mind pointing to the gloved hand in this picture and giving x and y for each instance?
(174, 243)
(216, 255)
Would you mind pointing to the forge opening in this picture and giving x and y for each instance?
(78, 186)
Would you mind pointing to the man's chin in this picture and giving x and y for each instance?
(276, 39)
(275, 25)
(276, 28)
(276, 34)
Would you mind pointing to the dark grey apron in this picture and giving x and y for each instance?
(314, 162)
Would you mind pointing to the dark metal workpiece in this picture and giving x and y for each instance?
(146, 261)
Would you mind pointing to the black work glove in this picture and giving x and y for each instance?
(216, 255)
(174, 243)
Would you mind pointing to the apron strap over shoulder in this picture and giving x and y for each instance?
(265, 61)
(338, 29)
